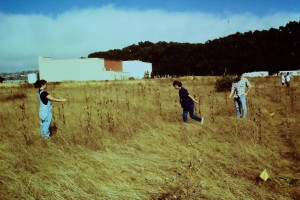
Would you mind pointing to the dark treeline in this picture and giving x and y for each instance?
(269, 50)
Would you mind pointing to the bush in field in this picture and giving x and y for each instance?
(1, 79)
(224, 83)
(16, 96)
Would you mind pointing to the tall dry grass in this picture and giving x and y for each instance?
(126, 140)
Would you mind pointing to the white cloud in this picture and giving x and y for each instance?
(77, 33)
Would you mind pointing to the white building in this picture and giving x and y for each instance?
(86, 69)
(292, 72)
(137, 68)
(32, 78)
(256, 74)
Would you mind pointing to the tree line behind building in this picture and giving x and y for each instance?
(270, 50)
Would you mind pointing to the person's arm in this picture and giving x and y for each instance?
(248, 87)
(232, 91)
(55, 99)
(194, 100)
(247, 91)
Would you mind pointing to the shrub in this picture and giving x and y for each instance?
(224, 83)
(26, 85)
(16, 96)
(1, 79)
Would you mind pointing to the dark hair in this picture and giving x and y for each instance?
(240, 73)
(39, 83)
(177, 83)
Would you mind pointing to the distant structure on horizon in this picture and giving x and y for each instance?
(88, 69)
(292, 72)
(31, 78)
(256, 74)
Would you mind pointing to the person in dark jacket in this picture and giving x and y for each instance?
(187, 103)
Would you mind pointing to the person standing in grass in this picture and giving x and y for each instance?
(288, 79)
(187, 103)
(45, 107)
(282, 78)
(238, 87)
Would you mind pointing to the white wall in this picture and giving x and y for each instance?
(136, 68)
(256, 74)
(111, 75)
(88, 69)
(32, 78)
(72, 69)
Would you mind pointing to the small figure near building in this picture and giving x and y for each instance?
(282, 78)
(288, 79)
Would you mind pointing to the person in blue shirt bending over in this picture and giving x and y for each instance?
(187, 103)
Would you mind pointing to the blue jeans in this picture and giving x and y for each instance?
(240, 106)
(46, 117)
(190, 110)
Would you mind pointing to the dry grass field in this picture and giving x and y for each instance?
(126, 140)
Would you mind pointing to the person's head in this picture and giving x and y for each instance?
(177, 85)
(288, 73)
(240, 75)
(40, 84)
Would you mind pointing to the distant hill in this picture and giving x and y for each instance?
(272, 50)
(20, 76)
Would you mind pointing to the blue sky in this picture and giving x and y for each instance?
(72, 29)
(53, 7)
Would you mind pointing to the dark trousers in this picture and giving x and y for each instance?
(190, 110)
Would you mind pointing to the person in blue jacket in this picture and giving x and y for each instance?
(187, 103)
(45, 107)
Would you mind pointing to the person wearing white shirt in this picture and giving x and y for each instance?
(238, 91)
(282, 78)
(288, 79)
